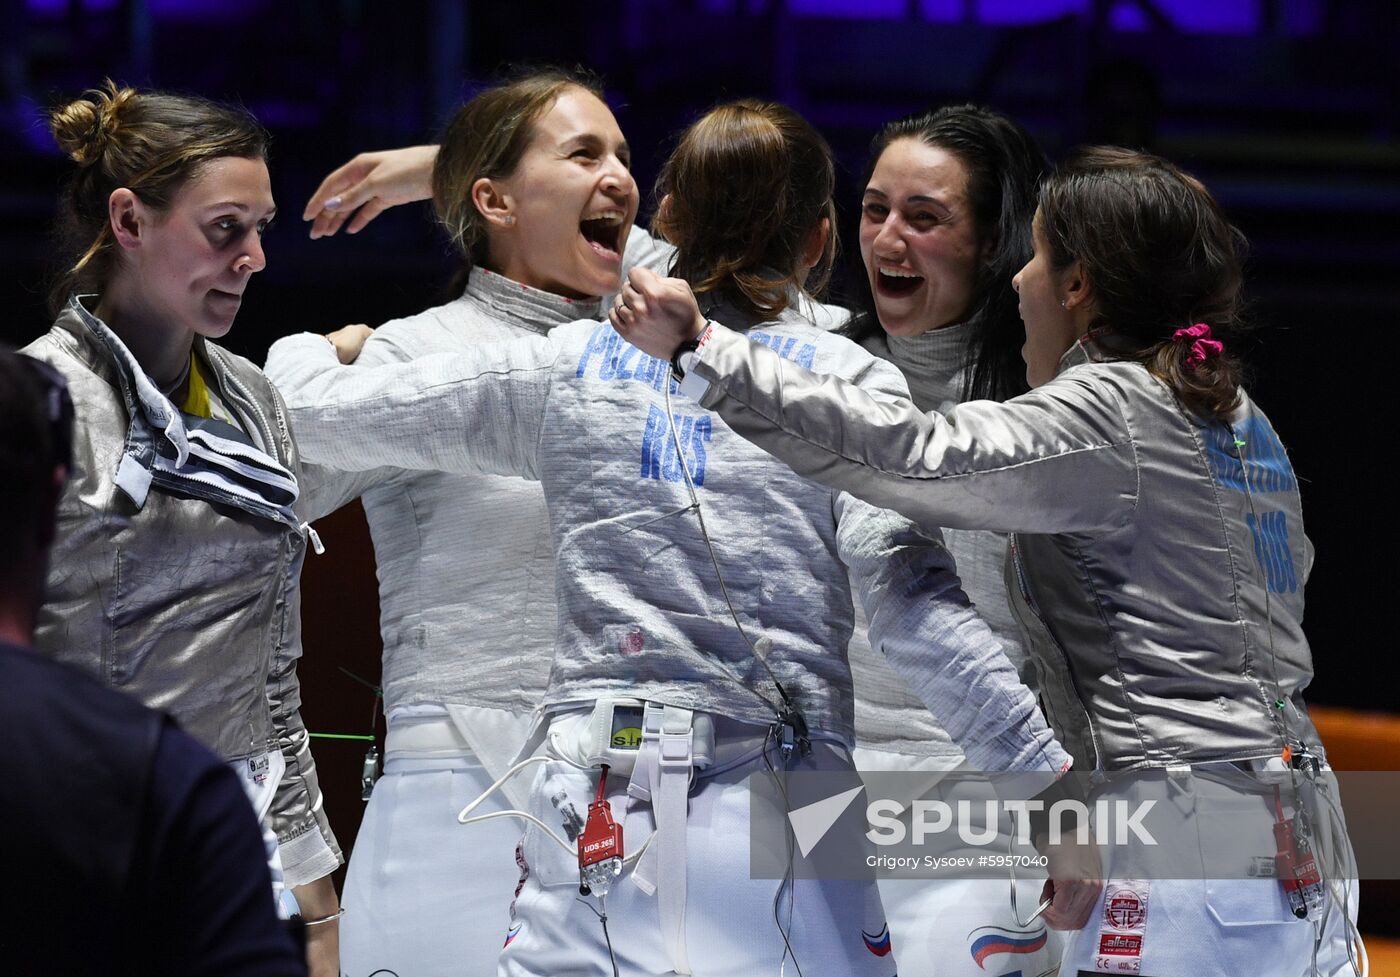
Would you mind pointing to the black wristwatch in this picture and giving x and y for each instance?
(689, 346)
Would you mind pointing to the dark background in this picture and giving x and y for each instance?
(1287, 109)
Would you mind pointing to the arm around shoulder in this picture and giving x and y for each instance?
(1060, 459)
(476, 410)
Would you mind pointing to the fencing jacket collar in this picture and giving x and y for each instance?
(531, 307)
(165, 449)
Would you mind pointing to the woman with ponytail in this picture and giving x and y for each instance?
(173, 575)
(704, 598)
(1159, 552)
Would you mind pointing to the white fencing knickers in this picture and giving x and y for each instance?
(961, 927)
(1203, 927)
(425, 896)
(260, 776)
(833, 927)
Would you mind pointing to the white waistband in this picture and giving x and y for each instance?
(428, 737)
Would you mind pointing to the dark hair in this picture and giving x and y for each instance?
(1004, 166)
(36, 430)
(486, 138)
(149, 142)
(1158, 255)
(748, 183)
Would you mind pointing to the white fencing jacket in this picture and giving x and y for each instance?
(640, 612)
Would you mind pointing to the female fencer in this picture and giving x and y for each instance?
(1159, 548)
(174, 573)
(721, 673)
(533, 187)
(944, 223)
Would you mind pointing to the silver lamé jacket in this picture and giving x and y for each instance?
(189, 606)
(1159, 559)
(641, 613)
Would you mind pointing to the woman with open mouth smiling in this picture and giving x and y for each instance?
(944, 224)
(714, 640)
(532, 185)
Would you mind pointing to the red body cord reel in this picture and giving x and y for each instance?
(600, 845)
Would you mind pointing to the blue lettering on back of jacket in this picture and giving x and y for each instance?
(610, 357)
(1259, 465)
(607, 356)
(613, 358)
(659, 458)
(787, 348)
(1261, 459)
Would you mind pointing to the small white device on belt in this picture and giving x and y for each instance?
(616, 733)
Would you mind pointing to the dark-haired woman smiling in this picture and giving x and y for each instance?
(1159, 550)
(945, 222)
(714, 637)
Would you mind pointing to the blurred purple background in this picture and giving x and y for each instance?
(1288, 109)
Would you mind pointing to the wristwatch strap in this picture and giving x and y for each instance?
(689, 346)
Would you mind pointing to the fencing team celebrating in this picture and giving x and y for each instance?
(652, 522)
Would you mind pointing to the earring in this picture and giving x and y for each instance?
(1063, 305)
(508, 220)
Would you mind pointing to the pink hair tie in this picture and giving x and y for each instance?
(1202, 346)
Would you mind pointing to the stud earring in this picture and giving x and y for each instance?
(508, 220)
(1063, 305)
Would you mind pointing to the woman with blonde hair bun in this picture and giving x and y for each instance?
(173, 575)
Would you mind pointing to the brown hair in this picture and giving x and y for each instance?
(1159, 255)
(486, 139)
(149, 142)
(748, 183)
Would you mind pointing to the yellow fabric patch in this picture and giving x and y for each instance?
(197, 400)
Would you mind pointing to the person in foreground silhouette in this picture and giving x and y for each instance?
(132, 849)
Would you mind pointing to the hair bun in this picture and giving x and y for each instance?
(84, 127)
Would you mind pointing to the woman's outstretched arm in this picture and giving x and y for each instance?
(1059, 459)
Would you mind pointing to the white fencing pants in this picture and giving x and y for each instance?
(833, 927)
(1201, 927)
(960, 927)
(424, 895)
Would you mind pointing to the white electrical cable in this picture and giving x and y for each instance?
(1285, 733)
(525, 816)
(500, 781)
(571, 849)
(724, 589)
(462, 817)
